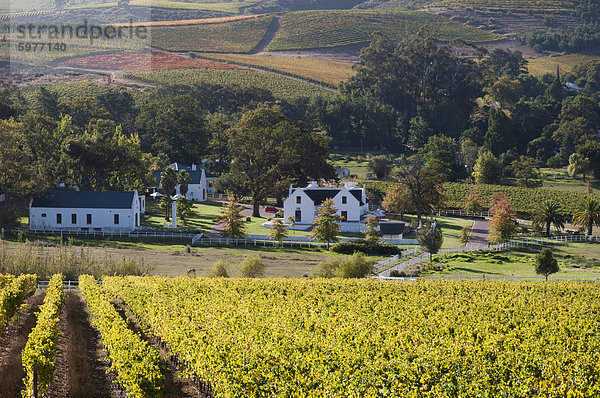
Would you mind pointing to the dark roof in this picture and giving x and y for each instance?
(320, 195)
(391, 228)
(194, 175)
(357, 193)
(85, 200)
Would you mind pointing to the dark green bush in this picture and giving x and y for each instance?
(371, 248)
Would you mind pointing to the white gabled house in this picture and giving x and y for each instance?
(87, 211)
(198, 188)
(302, 204)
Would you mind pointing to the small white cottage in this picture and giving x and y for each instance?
(86, 211)
(302, 203)
(200, 185)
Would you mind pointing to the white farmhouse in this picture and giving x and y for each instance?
(199, 186)
(86, 211)
(342, 172)
(302, 203)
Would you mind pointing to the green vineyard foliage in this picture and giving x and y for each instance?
(43, 340)
(525, 201)
(329, 28)
(281, 87)
(364, 338)
(135, 362)
(231, 36)
(12, 292)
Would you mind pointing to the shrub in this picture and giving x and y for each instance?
(357, 266)
(253, 267)
(219, 269)
(327, 268)
(366, 247)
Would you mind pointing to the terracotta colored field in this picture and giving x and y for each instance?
(132, 62)
(332, 72)
(190, 21)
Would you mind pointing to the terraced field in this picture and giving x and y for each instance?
(512, 5)
(317, 29)
(229, 36)
(330, 72)
(281, 87)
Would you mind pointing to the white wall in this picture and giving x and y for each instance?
(307, 207)
(102, 219)
(309, 211)
(2, 197)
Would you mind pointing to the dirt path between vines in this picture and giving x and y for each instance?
(12, 342)
(175, 385)
(269, 35)
(81, 367)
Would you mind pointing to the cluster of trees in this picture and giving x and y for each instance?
(575, 38)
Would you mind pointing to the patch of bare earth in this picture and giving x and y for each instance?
(12, 341)
(81, 366)
(175, 384)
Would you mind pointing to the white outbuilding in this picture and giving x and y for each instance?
(72, 211)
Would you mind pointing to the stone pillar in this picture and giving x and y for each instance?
(174, 214)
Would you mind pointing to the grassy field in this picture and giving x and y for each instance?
(203, 220)
(228, 36)
(357, 167)
(512, 5)
(547, 65)
(574, 259)
(332, 72)
(281, 87)
(316, 29)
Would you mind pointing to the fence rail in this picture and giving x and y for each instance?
(106, 234)
(67, 285)
(492, 278)
(541, 241)
(463, 213)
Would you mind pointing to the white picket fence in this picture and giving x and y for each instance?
(492, 278)
(463, 213)
(540, 241)
(406, 252)
(134, 234)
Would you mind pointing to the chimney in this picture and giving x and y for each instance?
(194, 167)
(291, 189)
(313, 184)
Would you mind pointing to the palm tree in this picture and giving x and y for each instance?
(168, 180)
(548, 214)
(184, 180)
(589, 215)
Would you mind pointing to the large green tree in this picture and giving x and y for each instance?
(269, 152)
(423, 182)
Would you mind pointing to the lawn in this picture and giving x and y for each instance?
(357, 167)
(450, 226)
(203, 220)
(574, 259)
